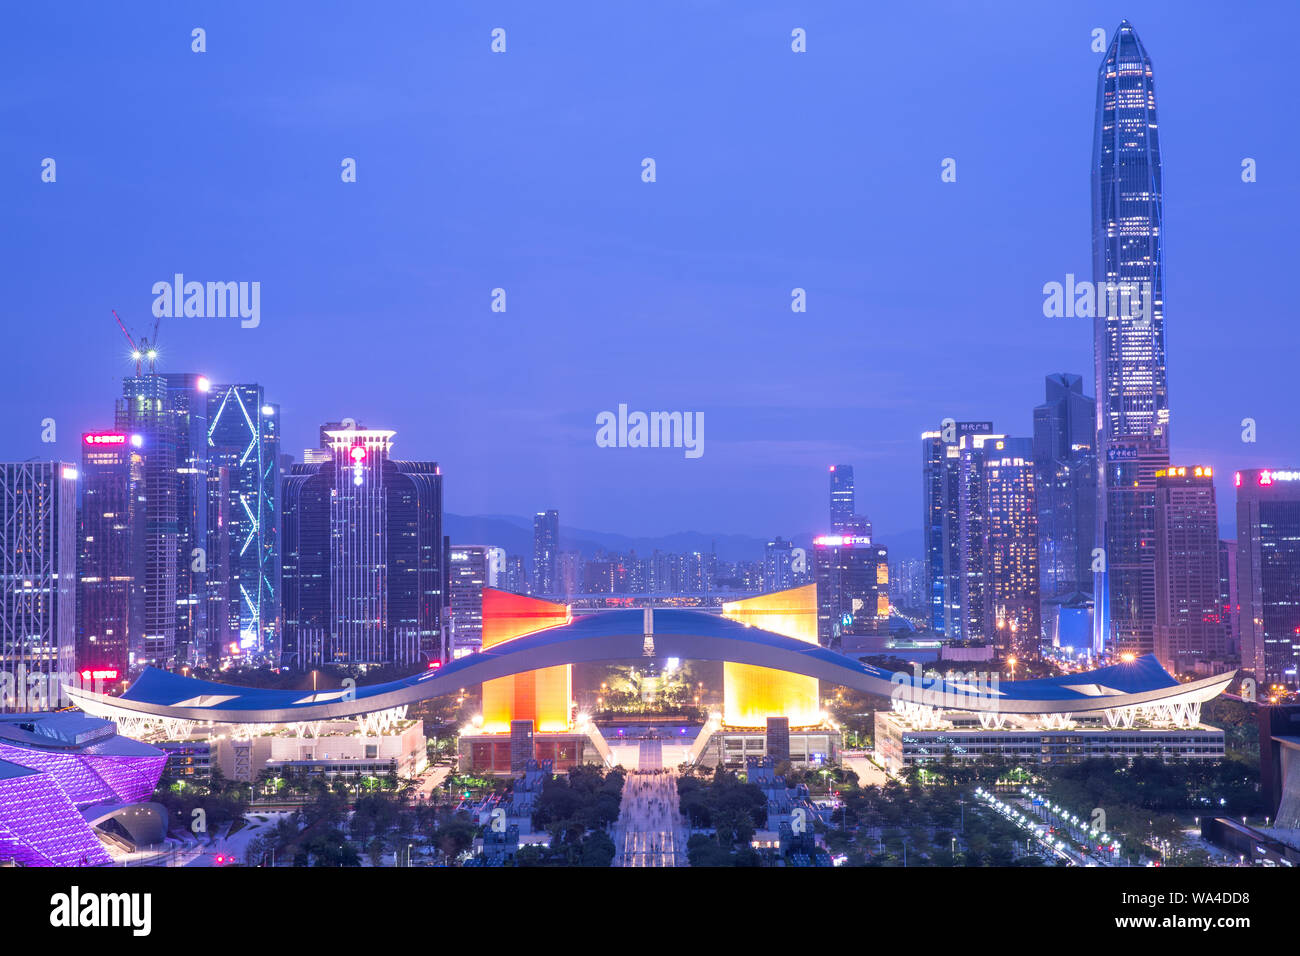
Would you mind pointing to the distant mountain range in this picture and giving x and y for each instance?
(515, 534)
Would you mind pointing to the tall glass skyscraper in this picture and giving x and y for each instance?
(546, 551)
(38, 582)
(1129, 349)
(243, 437)
(364, 569)
(1065, 474)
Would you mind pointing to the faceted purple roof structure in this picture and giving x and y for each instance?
(53, 766)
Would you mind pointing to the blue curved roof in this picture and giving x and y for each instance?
(618, 635)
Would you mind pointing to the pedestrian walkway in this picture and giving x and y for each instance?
(649, 831)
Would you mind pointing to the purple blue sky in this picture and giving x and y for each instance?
(775, 170)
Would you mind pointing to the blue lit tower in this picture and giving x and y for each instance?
(244, 438)
(1129, 351)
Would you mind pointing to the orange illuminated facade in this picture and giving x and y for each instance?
(752, 694)
(541, 696)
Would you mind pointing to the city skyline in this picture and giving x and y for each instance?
(770, 437)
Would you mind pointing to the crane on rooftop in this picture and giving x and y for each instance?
(147, 350)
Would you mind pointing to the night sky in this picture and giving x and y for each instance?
(522, 171)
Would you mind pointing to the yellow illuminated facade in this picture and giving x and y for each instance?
(541, 696)
(752, 694)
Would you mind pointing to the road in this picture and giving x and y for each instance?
(649, 831)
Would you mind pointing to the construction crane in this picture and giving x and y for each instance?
(147, 349)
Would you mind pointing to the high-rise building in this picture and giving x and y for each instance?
(852, 577)
(1268, 573)
(1228, 601)
(244, 438)
(467, 576)
(1128, 345)
(1189, 614)
(1065, 478)
(186, 406)
(546, 550)
(38, 547)
(145, 409)
(953, 526)
(778, 565)
(516, 574)
(1129, 600)
(364, 558)
(843, 506)
(843, 510)
(110, 558)
(1010, 548)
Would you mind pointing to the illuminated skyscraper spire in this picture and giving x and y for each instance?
(1128, 343)
(1128, 243)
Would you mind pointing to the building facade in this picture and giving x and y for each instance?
(1129, 349)
(546, 551)
(1190, 624)
(38, 571)
(1268, 573)
(364, 563)
(110, 556)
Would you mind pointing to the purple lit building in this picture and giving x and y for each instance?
(59, 773)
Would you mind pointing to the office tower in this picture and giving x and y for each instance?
(1130, 500)
(778, 565)
(222, 614)
(1228, 601)
(852, 577)
(843, 510)
(467, 576)
(496, 567)
(1189, 616)
(842, 499)
(186, 408)
(1268, 574)
(1011, 595)
(38, 547)
(244, 438)
(145, 409)
(569, 573)
(953, 527)
(364, 557)
(110, 557)
(1065, 479)
(516, 574)
(1129, 350)
(546, 549)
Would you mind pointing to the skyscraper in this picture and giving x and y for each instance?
(38, 574)
(546, 550)
(1065, 478)
(852, 577)
(186, 406)
(145, 409)
(1011, 596)
(363, 573)
(1268, 573)
(243, 436)
(778, 565)
(953, 529)
(843, 502)
(842, 498)
(467, 577)
(1129, 349)
(110, 559)
(1189, 616)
